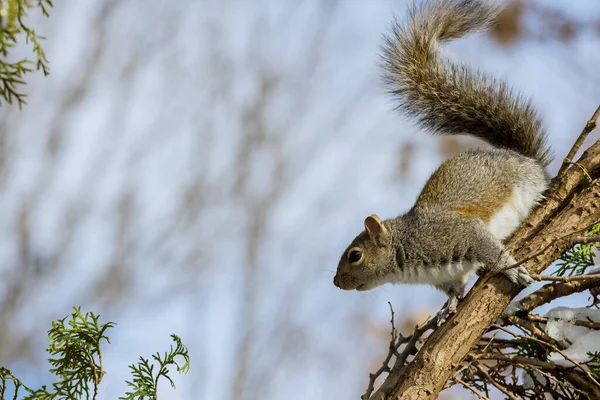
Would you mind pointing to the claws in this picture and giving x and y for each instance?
(517, 275)
(443, 315)
(448, 310)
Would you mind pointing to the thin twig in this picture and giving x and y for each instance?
(559, 351)
(385, 366)
(411, 345)
(566, 388)
(471, 388)
(517, 359)
(501, 388)
(418, 332)
(488, 344)
(589, 127)
(581, 277)
(554, 379)
(533, 329)
(502, 342)
(544, 320)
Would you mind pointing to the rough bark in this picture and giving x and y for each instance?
(573, 204)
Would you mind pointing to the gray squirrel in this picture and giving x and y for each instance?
(474, 201)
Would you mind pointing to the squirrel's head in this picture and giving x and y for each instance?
(369, 260)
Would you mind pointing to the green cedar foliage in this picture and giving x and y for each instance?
(579, 258)
(76, 361)
(13, 29)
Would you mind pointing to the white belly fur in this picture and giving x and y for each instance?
(451, 272)
(509, 218)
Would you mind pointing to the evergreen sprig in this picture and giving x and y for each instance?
(594, 364)
(75, 353)
(527, 348)
(145, 381)
(580, 257)
(7, 378)
(13, 27)
(76, 360)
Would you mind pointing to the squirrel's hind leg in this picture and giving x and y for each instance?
(455, 292)
(495, 259)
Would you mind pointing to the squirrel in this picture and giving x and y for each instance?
(473, 203)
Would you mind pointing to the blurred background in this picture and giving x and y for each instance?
(198, 166)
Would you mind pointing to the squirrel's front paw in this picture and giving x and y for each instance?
(517, 275)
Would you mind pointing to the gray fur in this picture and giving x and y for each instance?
(472, 176)
(450, 231)
(429, 244)
(452, 99)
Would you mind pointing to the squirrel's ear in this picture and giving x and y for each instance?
(374, 227)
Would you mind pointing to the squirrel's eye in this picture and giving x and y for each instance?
(354, 256)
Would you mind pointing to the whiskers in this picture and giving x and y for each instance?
(368, 293)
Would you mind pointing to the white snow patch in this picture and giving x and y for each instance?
(560, 322)
(578, 351)
(513, 308)
(528, 380)
(584, 340)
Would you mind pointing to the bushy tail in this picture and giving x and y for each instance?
(449, 98)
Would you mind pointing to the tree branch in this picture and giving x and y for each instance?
(582, 277)
(552, 291)
(590, 126)
(385, 366)
(544, 320)
(518, 360)
(556, 349)
(471, 388)
(487, 376)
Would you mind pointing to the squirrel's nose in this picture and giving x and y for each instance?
(336, 280)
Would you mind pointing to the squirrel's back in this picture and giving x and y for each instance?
(449, 98)
(498, 187)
